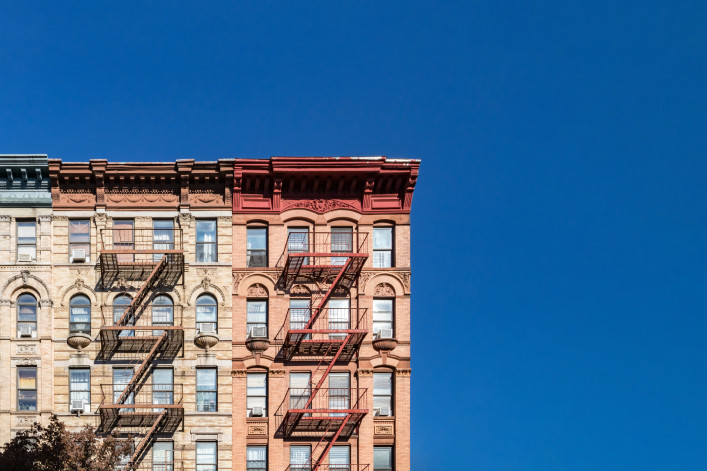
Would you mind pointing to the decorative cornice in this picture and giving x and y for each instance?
(239, 373)
(403, 372)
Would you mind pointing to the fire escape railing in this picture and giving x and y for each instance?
(141, 332)
(333, 262)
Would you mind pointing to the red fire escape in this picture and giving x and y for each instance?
(135, 334)
(324, 335)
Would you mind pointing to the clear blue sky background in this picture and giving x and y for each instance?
(559, 221)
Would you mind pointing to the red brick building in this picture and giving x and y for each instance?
(321, 303)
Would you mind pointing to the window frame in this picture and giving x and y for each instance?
(85, 245)
(301, 466)
(264, 396)
(392, 458)
(391, 249)
(264, 251)
(87, 391)
(20, 389)
(390, 397)
(196, 313)
(392, 315)
(210, 392)
(264, 466)
(35, 306)
(20, 245)
(73, 330)
(249, 324)
(206, 466)
(213, 243)
(167, 465)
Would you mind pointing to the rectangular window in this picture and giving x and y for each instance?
(206, 390)
(79, 240)
(206, 241)
(300, 458)
(206, 456)
(26, 241)
(339, 313)
(80, 387)
(383, 458)
(339, 458)
(257, 247)
(298, 241)
(257, 391)
(300, 389)
(257, 312)
(162, 387)
(383, 394)
(382, 247)
(300, 312)
(124, 239)
(162, 236)
(383, 316)
(163, 456)
(256, 458)
(121, 378)
(27, 388)
(339, 392)
(341, 242)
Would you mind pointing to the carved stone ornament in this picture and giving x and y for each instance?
(257, 429)
(257, 345)
(319, 205)
(277, 373)
(385, 428)
(27, 349)
(26, 362)
(404, 372)
(365, 373)
(206, 340)
(25, 276)
(237, 278)
(25, 420)
(205, 283)
(239, 373)
(384, 289)
(78, 341)
(257, 291)
(300, 290)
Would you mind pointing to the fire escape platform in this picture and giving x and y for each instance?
(318, 423)
(138, 264)
(141, 338)
(311, 343)
(141, 415)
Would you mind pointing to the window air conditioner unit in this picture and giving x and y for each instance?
(256, 412)
(258, 332)
(78, 255)
(381, 411)
(385, 334)
(207, 328)
(24, 257)
(27, 331)
(78, 406)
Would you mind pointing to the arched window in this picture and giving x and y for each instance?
(80, 315)
(206, 313)
(162, 312)
(120, 304)
(26, 315)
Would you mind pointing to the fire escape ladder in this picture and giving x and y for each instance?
(326, 372)
(142, 446)
(142, 369)
(329, 293)
(143, 291)
(318, 463)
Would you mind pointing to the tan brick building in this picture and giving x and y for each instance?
(240, 314)
(321, 297)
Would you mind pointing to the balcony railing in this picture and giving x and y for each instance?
(329, 467)
(131, 241)
(152, 315)
(324, 248)
(326, 403)
(146, 396)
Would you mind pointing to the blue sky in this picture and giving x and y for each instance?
(558, 223)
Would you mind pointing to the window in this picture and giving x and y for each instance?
(27, 388)
(382, 247)
(26, 241)
(257, 391)
(120, 304)
(300, 390)
(300, 312)
(162, 236)
(298, 241)
(206, 390)
(383, 394)
(299, 458)
(80, 315)
(339, 458)
(257, 247)
(256, 458)
(206, 241)
(382, 315)
(124, 239)
(341, 242)
(206, 456)
(79, 240)
(206, 312)
(339, 391)
(257, 312)
(26, 315)
(80, 387)
(162, 312)
(339, 313)
(121, 378)
(383, 458)
(163, 456)
(162, 387)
